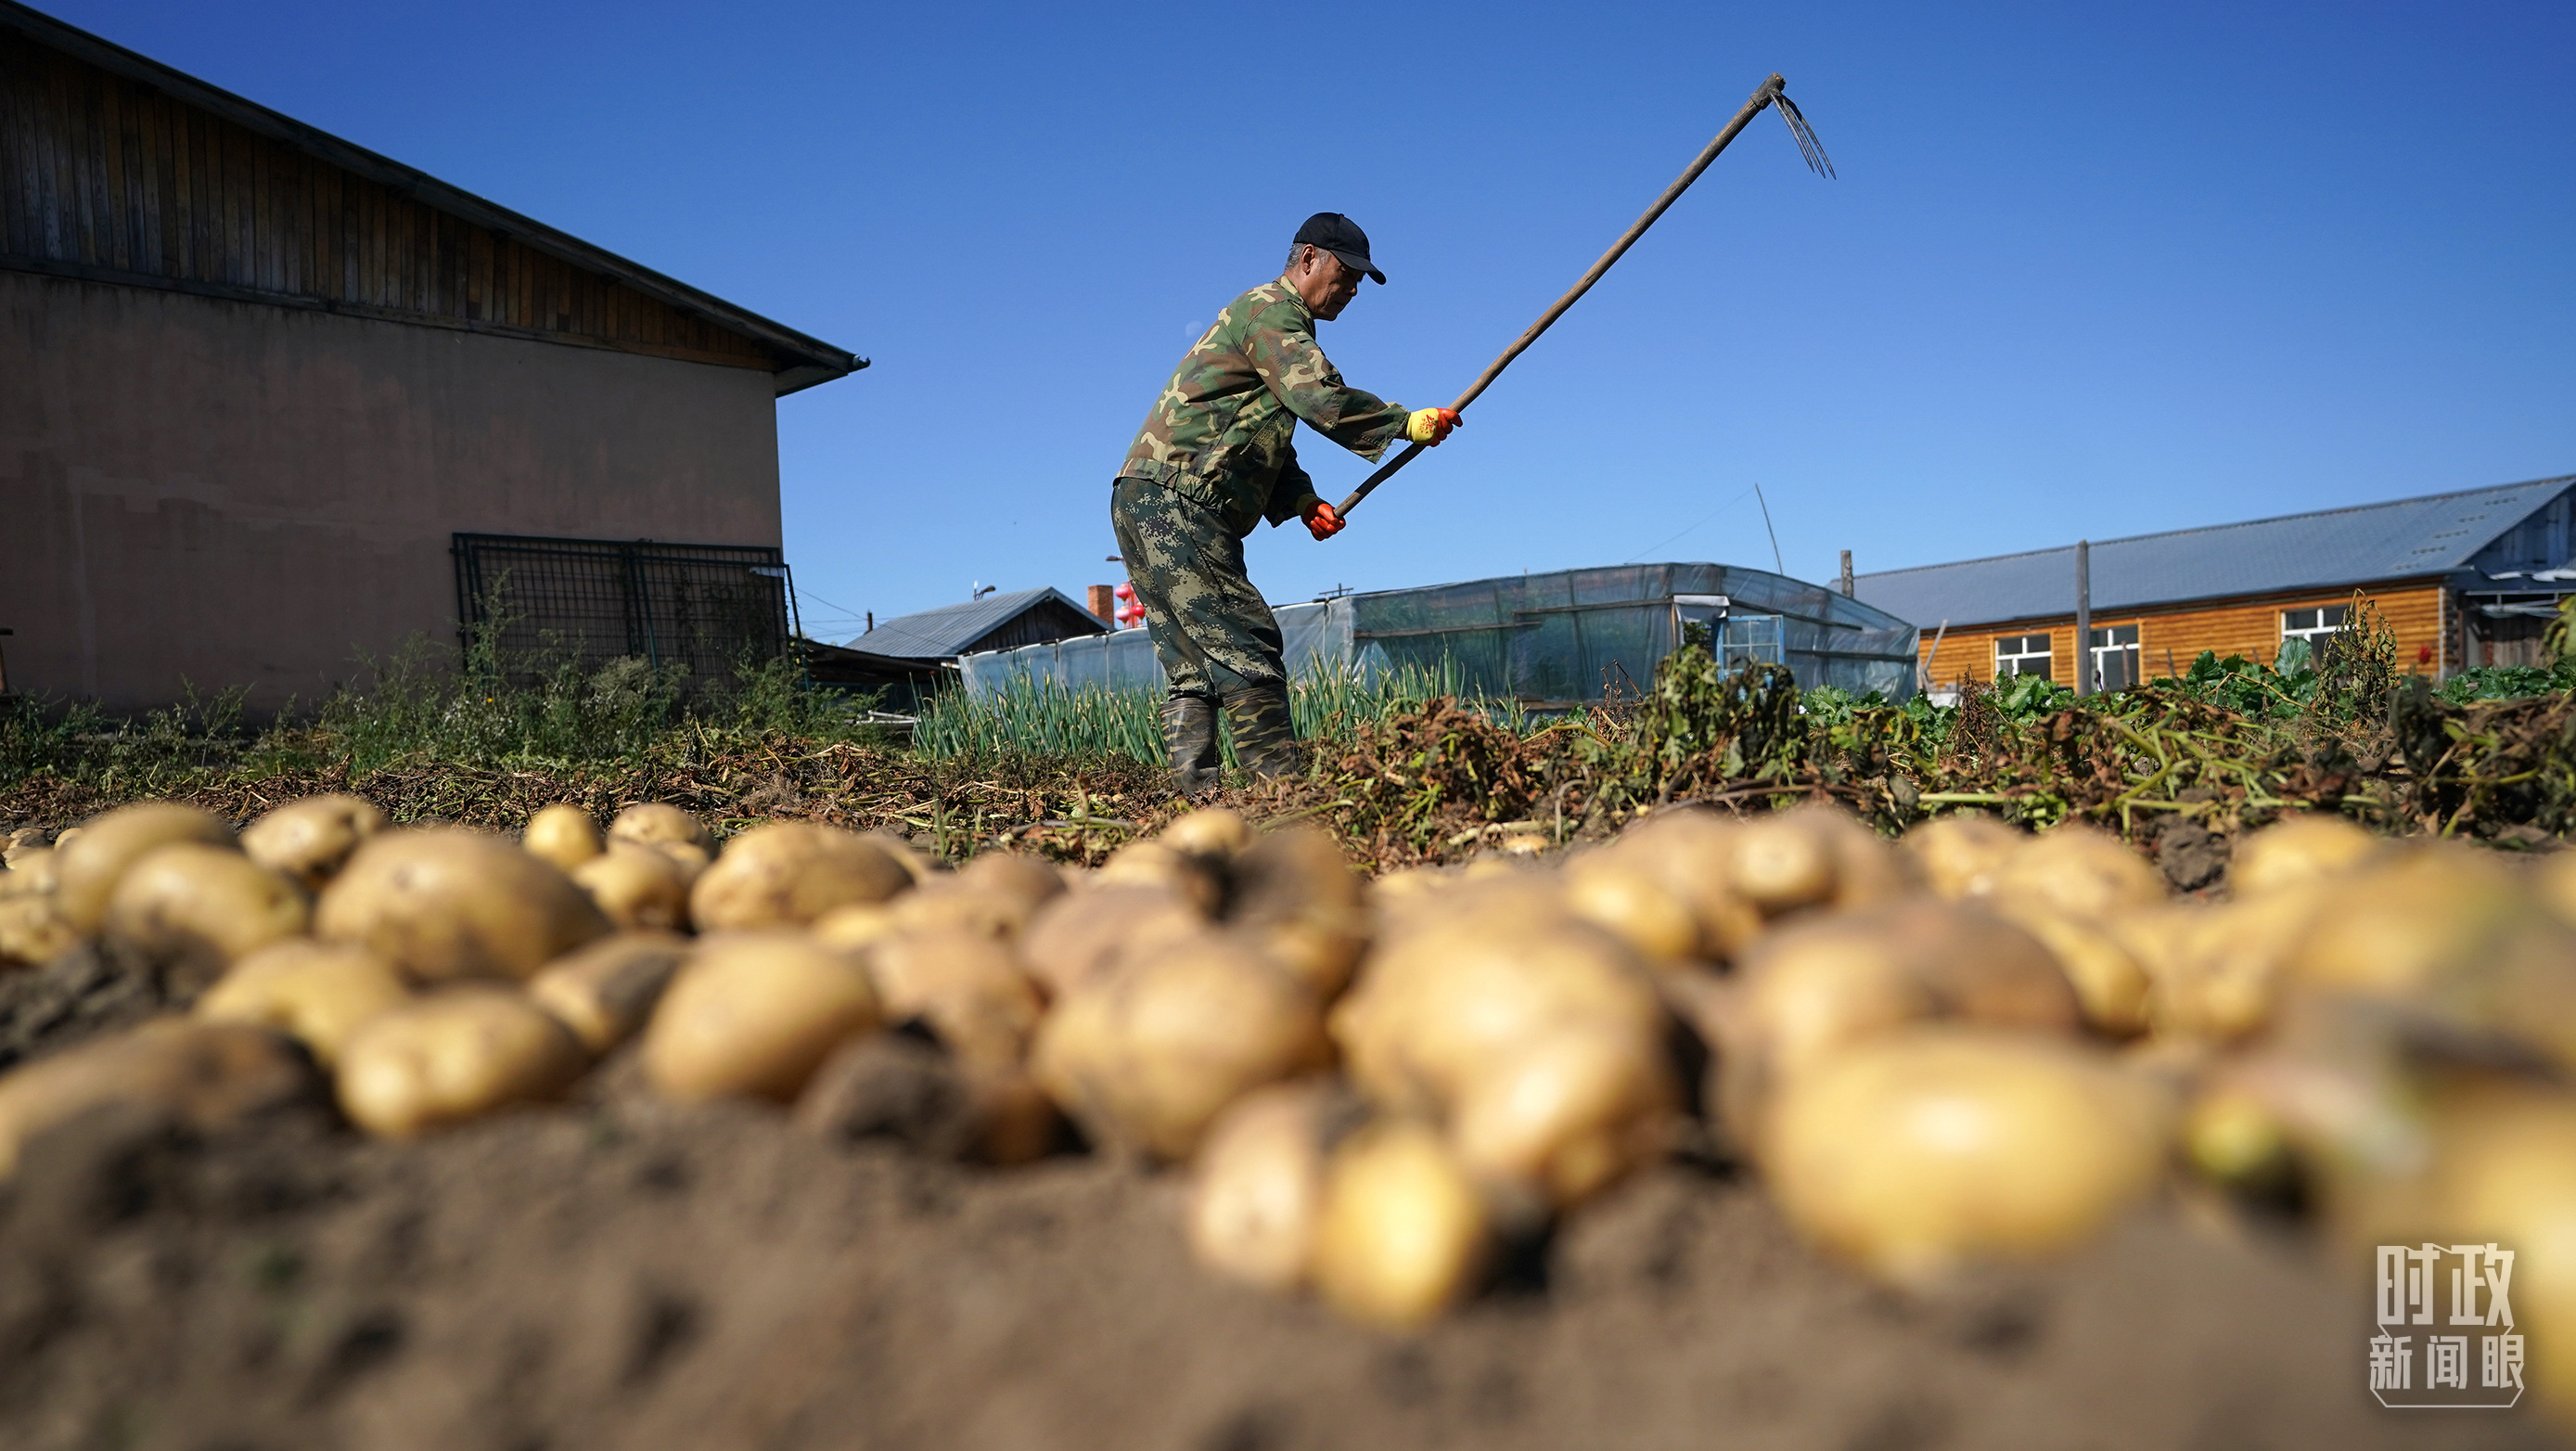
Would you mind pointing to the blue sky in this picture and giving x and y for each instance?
(2088, 270)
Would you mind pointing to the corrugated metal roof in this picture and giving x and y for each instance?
(948, 630)
(2332, 547)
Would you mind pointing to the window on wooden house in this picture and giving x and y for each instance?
(2114, 650)
(2022, 655)
(2315, 624)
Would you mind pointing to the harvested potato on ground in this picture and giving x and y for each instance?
(1157, 864)
(1691, 854)
(1437, 1006)
(454, 1055)
(319, 993)
(894, 1086)
(2110, 982)
(1298, 898)
(2504, 1173)
(31, 872)
(788, 873)
(637, 887)
(605, 992)
(88, 865)
(850, 928)
(32, 933)
(953, 904)
(755, 1013)
(1565, 1114)
(562, 834)
(915, 863)
(652, 822)
(445, 902)
(2079, 871)
(312, 839)
(2420, 915)
(1028, 879)
(1146, 1054)
(1076, 937)
(1813, 991)
(965, 986)
(2215, 972)
(1211, 831)
(206, 1076)
(2300, 849)
(1926, 1151)
(1616, 894)
(1257, 1185)
(21, 844)
(1960, 856)
(191, 908)
(1403, 1233)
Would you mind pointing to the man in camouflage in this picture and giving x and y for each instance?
(1215, 457)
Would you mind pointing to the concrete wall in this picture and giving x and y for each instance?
(237, 494)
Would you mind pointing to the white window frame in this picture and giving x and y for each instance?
(2106, 640)
(2046, 655)
(2314, 633)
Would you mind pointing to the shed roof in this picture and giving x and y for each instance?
(806, 360)
(2403, 538)
(948, 630)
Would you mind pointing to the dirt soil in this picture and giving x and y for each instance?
(615, 1272)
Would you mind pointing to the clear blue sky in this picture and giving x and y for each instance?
(2088, 271)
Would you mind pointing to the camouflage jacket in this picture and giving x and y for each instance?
(1220, 433)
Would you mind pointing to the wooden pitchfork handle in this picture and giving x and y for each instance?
(1769, 92)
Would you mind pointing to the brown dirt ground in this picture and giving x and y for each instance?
(614, 1272)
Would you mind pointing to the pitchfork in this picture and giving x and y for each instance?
(1773, 92)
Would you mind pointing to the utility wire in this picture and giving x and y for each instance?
(1776, 565)
(1704, 518)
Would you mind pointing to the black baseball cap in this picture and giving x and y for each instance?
(1343, 238)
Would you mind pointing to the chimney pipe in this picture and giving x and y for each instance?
(1103, 601)
(1847, 578)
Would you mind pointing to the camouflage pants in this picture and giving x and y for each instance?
(1211, 628)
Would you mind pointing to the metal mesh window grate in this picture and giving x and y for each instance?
(705, 606)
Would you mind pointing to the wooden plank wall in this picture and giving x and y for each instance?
(2169, 639)
(104, 178)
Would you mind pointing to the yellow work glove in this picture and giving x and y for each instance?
(1430, 425)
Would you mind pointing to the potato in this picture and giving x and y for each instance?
(915, 863)
(1030, 880)
(562, 834)
(20, 844)
(1816, 855)
(1296, 896)
(964, 985)
(444, 903)
(1565, 1114)
(605, 992)
(1814, 990)
(894, 1086)
(847, 929)
(754, 1013)
(31, 872)
(1691, 854)
(653, 822)
(2504, 1173)
(2299, 849)
(89, 864)
(1257, 1186)
(1437, 1006)
(1960, 856)
(451, 1056)
(1076, 937)
(1405, 885)
(1922, 1152)
(2110, 983)
(1617, 895)
(313, 838)
(1211, 831)
(1145, 1055)
(2220, 971)
(1158, 864)
(692, 859)
(788, 873)
(2422, 914)
(196, 907)
(2079, 871)
(637, 887)
(319, 993)
(1403, 1233)
(32, 932)
(955, 904)
(205, 1076)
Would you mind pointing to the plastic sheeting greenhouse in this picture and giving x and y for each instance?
(1548, 640)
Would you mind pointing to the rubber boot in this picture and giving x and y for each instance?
(1265, 739)
(1189, 733)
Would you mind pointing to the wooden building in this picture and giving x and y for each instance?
(1000, 621)
(259, 380)
(2463, 579)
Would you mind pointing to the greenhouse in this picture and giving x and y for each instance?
(1549, 641)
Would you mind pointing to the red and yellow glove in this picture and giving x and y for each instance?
(1323, 522)
(1430, 425)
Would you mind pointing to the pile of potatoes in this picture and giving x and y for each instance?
(1971, 1045)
